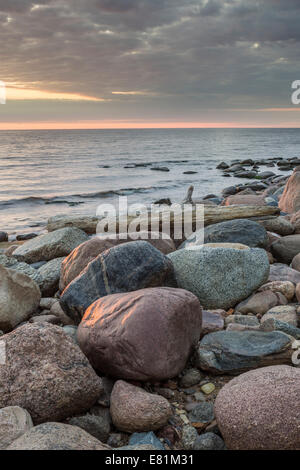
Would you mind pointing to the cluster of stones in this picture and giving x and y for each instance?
(122, 344)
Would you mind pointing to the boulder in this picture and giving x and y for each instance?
(14, 422)
(86, 223)
(259, 410)
(50, 275)
(19, 297)
(284, 313)
(57, 436)
(260, 302)
(286, 248)
(143, 335)
(290, 199)
(77, 261)
(278, 225)
(233, 352)
(50, 246)
(45, 373)
(23, 268)
(281, 272)
(135, 410)
(220, 277)
(285, 288)
(124, 268)
(242, 231)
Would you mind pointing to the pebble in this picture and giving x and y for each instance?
(208, 388)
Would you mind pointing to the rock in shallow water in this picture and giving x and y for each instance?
(142, 335)
(57, 436)
(124, 268)
(233, 352)
(19, 297)
(134, 410)
(46, 373)
(220, 277)
(52, 245)
(259, 410)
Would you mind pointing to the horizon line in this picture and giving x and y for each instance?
(134, 125)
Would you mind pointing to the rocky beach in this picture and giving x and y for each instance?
(154, 343)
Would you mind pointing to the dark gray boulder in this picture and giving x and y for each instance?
(243, 231)
(121, 269)
(233, 352)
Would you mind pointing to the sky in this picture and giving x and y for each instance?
(149, 63)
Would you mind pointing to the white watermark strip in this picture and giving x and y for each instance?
(2, 93)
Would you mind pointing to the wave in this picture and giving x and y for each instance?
(75, 199)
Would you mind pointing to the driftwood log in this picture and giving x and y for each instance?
(173, 220)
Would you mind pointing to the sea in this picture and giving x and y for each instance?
(46, 173)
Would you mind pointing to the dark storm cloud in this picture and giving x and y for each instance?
(182, 54)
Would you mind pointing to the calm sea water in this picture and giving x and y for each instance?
(44, 173)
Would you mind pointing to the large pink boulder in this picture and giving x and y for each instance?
(142, 335)
(290, 199)
(134, 410)
(259, 410)
(75, 263)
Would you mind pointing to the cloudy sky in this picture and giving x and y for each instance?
(149, 63)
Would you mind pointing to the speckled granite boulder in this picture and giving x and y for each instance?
(220, 277)
(45, 373)
(233, 352)
(52, 245)
(124, 268)
(57, 436)
(143, 335)
(259, 410)
(244, 231)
